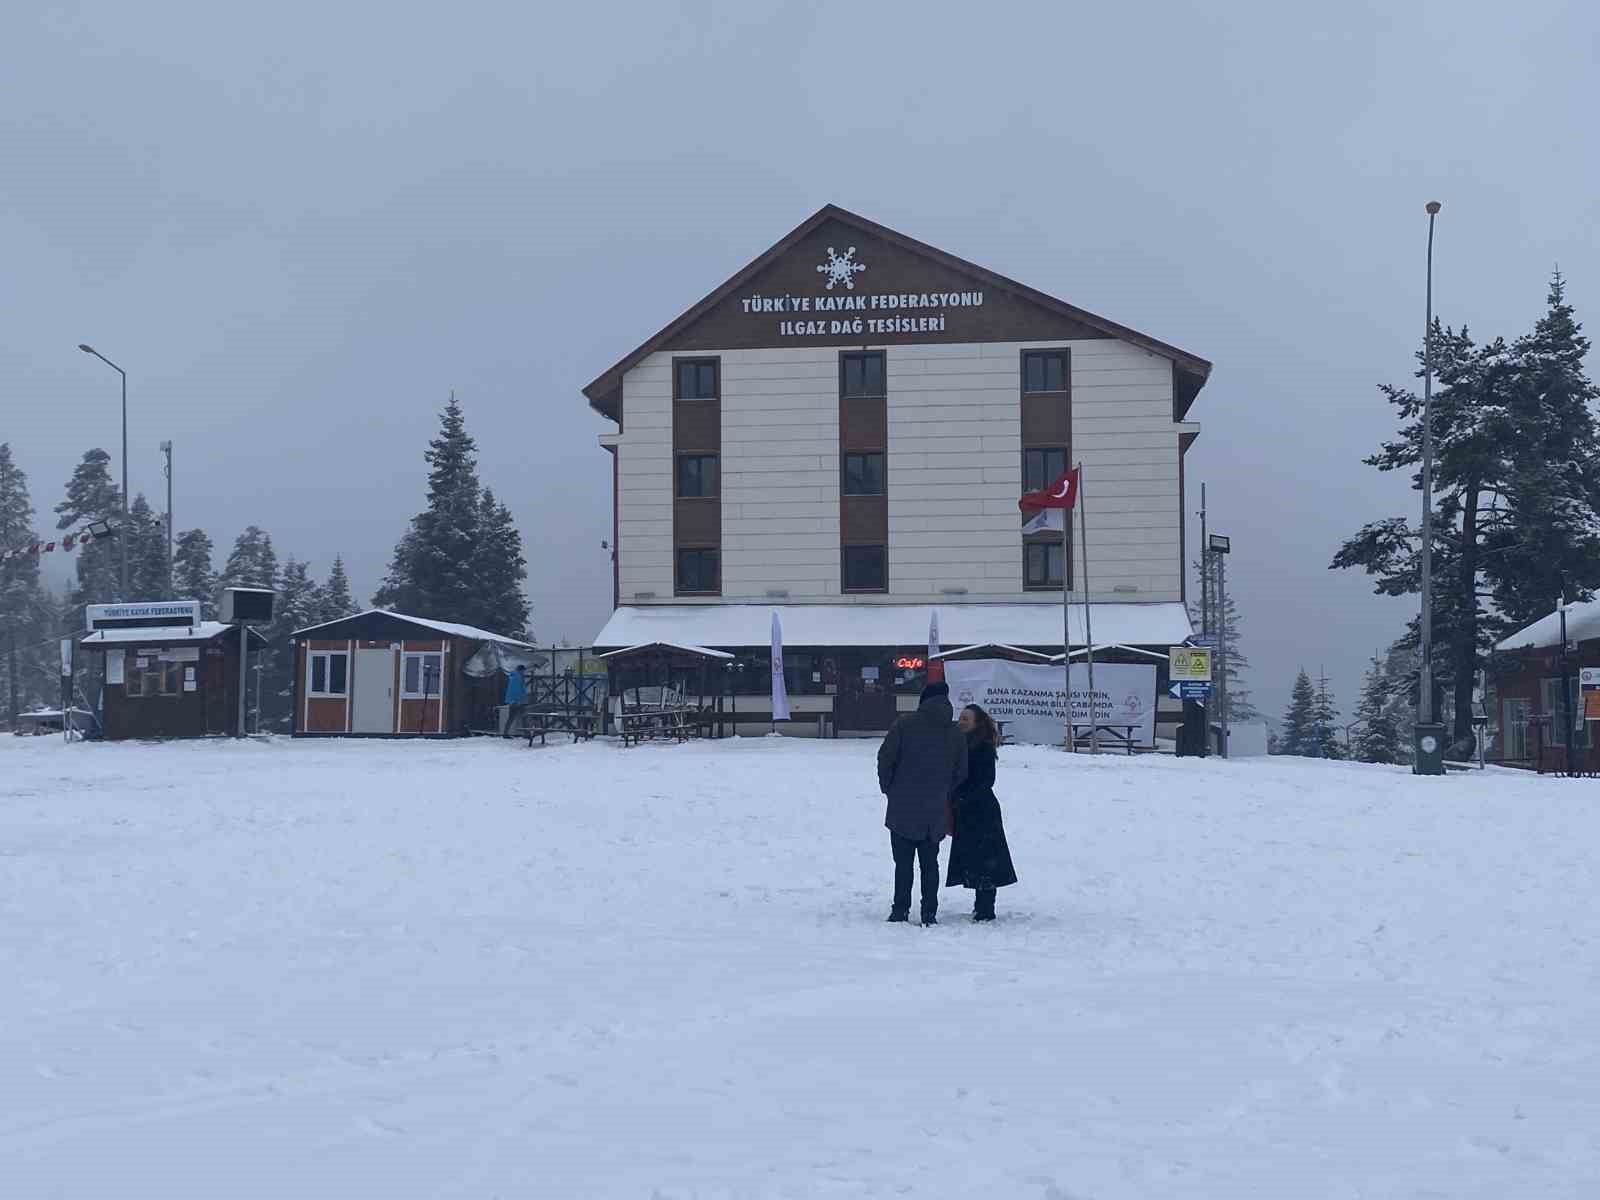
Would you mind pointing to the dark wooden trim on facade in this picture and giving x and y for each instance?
(605, 391)
(1065, 397)
(696, 430)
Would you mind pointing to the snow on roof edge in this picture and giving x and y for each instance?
(450, 627)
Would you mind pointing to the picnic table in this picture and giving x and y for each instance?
(580, 723)
(678, 722)
(1120, 735)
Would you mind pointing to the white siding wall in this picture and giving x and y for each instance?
(954, 470)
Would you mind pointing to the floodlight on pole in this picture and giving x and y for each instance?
(88, 349)
(1429, 756)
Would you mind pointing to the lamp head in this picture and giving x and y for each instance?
(85, 349)
(1433, 208)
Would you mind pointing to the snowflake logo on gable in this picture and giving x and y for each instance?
(842, 268)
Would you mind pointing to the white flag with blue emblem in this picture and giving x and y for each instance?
(780, 690)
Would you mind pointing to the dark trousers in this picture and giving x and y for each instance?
(907, 852)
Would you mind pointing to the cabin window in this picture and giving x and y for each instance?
(154, 677)
(330, 673)
(421, 674)
(1042, 467)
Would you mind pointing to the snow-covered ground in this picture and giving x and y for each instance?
(472, 970)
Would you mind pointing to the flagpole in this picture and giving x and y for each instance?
(1088, 625)
(1066, 625)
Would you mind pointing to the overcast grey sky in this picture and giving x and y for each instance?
(299, 228)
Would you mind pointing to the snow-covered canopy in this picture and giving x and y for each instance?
(696, 651)
(1017, 650)
(1583, 624)
(888, 625)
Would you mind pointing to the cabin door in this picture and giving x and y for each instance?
(372, 692)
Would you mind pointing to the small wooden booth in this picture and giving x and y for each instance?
(163, 678)
(664, 690)
(386, 674)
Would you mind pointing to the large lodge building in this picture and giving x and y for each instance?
(841, 433)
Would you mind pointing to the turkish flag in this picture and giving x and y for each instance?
(1063, 493)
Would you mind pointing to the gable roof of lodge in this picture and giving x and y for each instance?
(1190, 370)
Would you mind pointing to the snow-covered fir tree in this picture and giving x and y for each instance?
(1378, 740)
(193, 577)
(252, 562)
(1325, 723)
(297, 606)
(455, 560)
(500, 568)
(92, 496)
(1517, 481)
(147, 551)
(1240, 707)
(334, 599)
(1299, 735)
(1547, 543)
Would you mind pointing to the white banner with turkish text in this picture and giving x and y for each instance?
(1030, 700)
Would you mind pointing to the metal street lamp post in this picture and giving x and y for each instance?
(91, 350)
(1429, 757)
(1220, 547)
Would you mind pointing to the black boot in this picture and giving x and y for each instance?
(896, 917)
(930, 917)
(983, 905)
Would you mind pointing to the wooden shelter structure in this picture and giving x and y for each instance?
(662, 689)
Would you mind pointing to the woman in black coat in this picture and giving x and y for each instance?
(979, 856)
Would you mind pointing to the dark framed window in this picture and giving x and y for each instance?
(1042, 564)
(863, 474)
(862, 374)
(866, 569)
(156, 677)
(1041, 468)
(698, 476)
(695, 379)
(1044, 371)
(699, 571)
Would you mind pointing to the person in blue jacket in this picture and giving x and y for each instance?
(516, 699)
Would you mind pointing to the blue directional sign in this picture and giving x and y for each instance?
(1189, 691)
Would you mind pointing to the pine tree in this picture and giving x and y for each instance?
(1240, 707)
(147, 551)
(1379, 741)
(499, 567)
(1299, 722)
(334, 600)
(25, 626)
(252, 563)
(1548, 544)
(296, 607)
(1325, 723)
(92, 496)
(192, 575)
(433, 571)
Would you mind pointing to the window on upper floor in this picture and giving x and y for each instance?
(1042, 564)
(699, 572)
(863, 474)
(695, 379)
(697, 476)
(1044, 371)
(862, 374)
(866, 569)
(1042, 467)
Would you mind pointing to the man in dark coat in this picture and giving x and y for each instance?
(920, 764)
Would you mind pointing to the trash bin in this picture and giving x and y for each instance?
(1430, 747)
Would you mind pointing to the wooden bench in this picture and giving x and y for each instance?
(580, 723)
